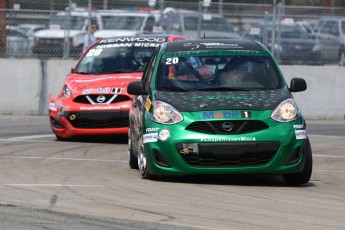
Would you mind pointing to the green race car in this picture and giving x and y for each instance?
(217, 107)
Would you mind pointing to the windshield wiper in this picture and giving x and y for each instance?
(171, 88)
(223, 88)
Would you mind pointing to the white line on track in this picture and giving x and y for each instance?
(30, 138)
(64, 158)
(326, 136)
(50, 185)
(333, 171)
(328, 156)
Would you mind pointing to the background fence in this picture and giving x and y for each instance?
(28, 29)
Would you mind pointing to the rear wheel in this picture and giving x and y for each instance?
(142, 162)
(132, 160)
(303, 176)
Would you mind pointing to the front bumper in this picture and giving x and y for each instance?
(274, 150)
(80, 123)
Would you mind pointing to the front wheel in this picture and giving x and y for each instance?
(132, 160)
(303, 176)
(142, 162)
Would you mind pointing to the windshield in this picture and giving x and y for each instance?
(176, 72)
(114, 59)
(122, 22)
(76, 22)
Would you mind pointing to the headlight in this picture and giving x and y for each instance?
(165, 114)
(66, 92)
(286, 111)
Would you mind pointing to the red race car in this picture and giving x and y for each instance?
(94, 98)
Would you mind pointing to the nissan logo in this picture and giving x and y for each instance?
(227, 126)
(100, 99)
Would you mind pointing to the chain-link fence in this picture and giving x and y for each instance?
(57, 29)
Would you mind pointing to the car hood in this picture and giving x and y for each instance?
(200, 101)
(100, 84)
(113, 33)
(56, 33)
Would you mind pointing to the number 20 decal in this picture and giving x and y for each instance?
(170, 61)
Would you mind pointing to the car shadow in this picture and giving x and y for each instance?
(108, 139)
(232, 179)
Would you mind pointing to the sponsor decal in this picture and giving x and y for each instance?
(148, 130)
(215, 52)
(301, 134)
(148, 104)
(102, 90)
(146, 44)
(150, 137)
(164, 135)
(116, 90)
(227, 139)
(105, 107)
(133, 39)
(298, 126)
(220, 115)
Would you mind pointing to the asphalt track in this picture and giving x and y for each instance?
(87, 184)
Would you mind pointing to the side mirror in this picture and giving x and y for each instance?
(136, 88)
(72, 70)
(297, 85)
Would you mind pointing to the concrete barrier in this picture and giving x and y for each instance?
(27, 84)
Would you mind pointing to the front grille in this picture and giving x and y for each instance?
(232, 154)
(216, 127)
(87, 99)
(113, 119)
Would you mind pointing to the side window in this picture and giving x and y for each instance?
(149, 24)
(149, 70)
(334, 30)
(328, 26)
(16, 34)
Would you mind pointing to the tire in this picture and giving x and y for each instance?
(132, 160)
(302, 177)
(341, 58)
(142, 162)
(58, 138)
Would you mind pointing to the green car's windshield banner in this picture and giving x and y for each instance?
(203, 53)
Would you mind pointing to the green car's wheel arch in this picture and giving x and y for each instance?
(132, 159)
(303, 176)
(142, 161)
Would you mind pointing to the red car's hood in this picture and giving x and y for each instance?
(99, 84)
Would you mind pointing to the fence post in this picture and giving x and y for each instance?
(42, 101)
(273, 28)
